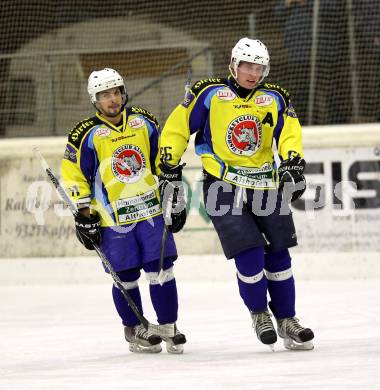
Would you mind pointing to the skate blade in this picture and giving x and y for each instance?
(136, 348)
(271, 347)
(294, 346)
(174, 349)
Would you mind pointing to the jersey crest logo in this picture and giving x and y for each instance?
(263, 100)
(128, 163)
(225, 94)
(244, 135)
(136, 123)
(103, 132)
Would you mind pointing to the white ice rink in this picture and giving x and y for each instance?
(68, 336)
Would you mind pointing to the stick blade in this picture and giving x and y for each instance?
(161, 277)
(36, 150)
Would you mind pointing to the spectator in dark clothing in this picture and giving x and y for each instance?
(332, 98)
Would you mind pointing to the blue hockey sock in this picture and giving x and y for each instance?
(251, 279)
(164, 298)
(281, 287)
(130, 282)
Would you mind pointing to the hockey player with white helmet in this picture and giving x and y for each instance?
(102, 80)
(108, 168)
(236, 121)
(253, 54)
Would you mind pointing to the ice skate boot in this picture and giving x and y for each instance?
(295, 336)
(264, 328)
(141, 341)
(175, 344)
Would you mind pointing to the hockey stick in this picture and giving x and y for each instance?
(169, 204)
(168, 222)
(166, 330)
(188, 81)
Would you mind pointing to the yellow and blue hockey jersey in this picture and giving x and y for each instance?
(234, 133)
(111, 167)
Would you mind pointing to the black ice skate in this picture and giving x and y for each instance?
(175, 344)
(295, 336)
(264, 328)
(141, 341)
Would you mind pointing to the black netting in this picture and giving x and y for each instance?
(325, 52)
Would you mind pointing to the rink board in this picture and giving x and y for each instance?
(339, 213)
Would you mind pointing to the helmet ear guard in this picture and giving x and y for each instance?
(249, 50)
(101, 80)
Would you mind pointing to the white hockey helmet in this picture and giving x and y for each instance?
(101, 80)
(250, 50)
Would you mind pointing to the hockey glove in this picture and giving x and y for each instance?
(88, 230)
(172, 193)
(292, 180)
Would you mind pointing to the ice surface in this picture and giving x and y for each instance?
(70, 337)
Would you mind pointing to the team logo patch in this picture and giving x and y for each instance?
(291, 111)
(225, 94)
(128, 163)
(244, 135)
(103, 132)
(263, 100)
(70, 154)
(136, 123)
(188, 99)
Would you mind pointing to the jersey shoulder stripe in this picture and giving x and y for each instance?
(280, 90)
(77, 134)
(200, 85)
(141, 111)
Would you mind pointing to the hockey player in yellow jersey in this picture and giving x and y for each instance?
(108, 168)
(237, 120)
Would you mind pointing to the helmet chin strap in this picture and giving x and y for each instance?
(232, 68)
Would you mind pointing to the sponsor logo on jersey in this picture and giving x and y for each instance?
(70, 154)
(136, 123)
(225, 94)
(242, 106)
(103, 132)
(278, 88)
(263, 100)
(205, 82)
(77, 131)
(128, 163)
(149, 115)
(254, 177)
(244, 135)
(122, 137)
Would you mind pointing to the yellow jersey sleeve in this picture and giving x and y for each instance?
(186, 119)
(288, 131)
(290, 140)
(174, 137)
(78, 164)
